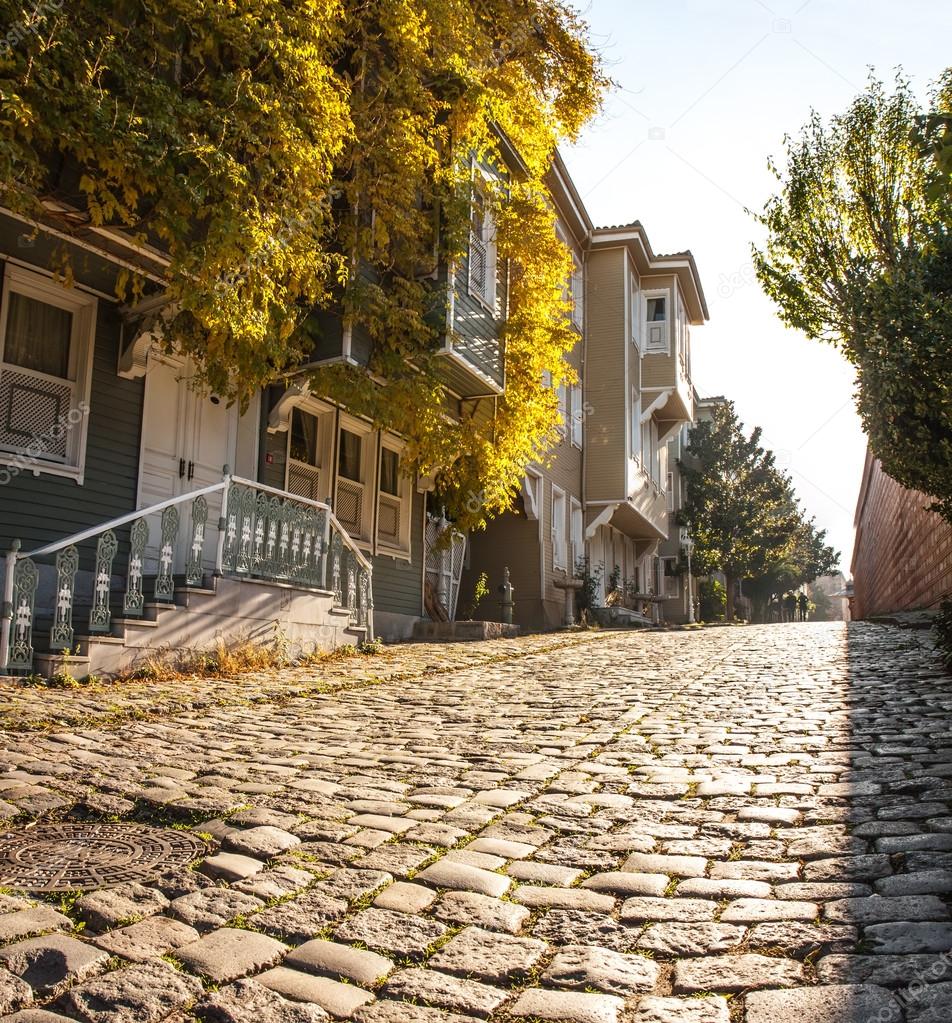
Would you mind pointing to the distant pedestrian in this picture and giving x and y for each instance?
(789, 608)
(803, 602)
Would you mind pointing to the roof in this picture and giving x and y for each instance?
(647, 261)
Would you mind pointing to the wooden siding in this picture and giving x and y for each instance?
(607, 345)
(510, 541)
(398, 583)
(44, 508)
(274, 469)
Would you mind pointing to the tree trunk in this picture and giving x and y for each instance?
(729, 614)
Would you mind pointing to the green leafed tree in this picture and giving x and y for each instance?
(858, 254)
(741, 510)
(805, 558)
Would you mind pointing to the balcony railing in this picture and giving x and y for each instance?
(263, 533)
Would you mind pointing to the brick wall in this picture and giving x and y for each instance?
(902, 559)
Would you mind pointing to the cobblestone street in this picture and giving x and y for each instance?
(739, 824)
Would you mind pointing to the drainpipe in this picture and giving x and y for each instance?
(584, 488)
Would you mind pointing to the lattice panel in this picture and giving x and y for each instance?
(350, 502)
(304, 480)
(389, 519)
(34, 410)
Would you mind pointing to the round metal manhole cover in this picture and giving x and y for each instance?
(66, 857)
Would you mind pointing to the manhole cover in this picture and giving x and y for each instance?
(64, 857)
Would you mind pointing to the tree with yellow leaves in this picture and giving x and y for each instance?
(315, 154)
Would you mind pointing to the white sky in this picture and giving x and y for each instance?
(705, 94)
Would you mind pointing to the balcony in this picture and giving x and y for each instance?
(473, 366)
(645, 513)
(473, 363)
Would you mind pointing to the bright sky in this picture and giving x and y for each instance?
(706, 91)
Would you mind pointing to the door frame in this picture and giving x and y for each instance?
(179, 362)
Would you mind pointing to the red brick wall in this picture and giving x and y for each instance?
(902, 559)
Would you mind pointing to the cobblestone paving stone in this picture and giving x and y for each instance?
(747, 825)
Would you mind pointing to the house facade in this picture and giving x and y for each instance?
(601, 513)
(541, 540)
(141, 512)
(640, 396)
(129, 491)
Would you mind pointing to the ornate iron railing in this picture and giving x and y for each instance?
(262, 533)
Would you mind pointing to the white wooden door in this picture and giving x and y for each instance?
(164, 425)
(211, 443)
(187, 438)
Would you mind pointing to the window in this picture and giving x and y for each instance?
(670, 491)
(532, 495)
(389, 472)
(482, 249)
(656, 307)
(636, 428)
(353, 503)
(656, 316)
(577, 290)
(305, 456)
(46, 347)
(635, 312)
(577, 552)
(563, 393)
(577, 414)
(670, 578)
(348, 458)
(393, 501)
(558, 529)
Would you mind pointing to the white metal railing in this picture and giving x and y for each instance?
(262, 533)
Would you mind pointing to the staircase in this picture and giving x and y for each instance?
(274, 569)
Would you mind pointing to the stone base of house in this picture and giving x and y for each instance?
(463, 631)
(231, 612)
(395, 628)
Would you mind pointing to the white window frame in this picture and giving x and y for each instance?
(637, 312)
(487, 295)
(368, 474)
(562, 392)
(559, 531)
(669, 490)
(577, 293)
(637, 445)
(660, 345)
(576, 533)
(532, 491)
(83, 308)
(576, 413)
(327, 473)
(404, 497)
